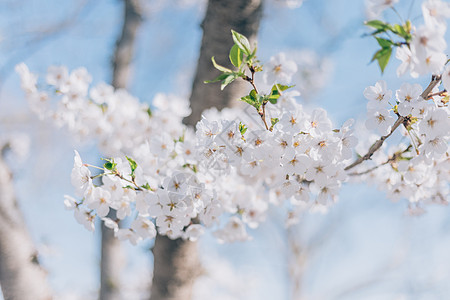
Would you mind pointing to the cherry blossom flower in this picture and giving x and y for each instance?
(379, 120)
(279, 70)
(407, 95)
(377, 95)
(375, 7)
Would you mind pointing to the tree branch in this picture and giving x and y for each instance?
(435, 79)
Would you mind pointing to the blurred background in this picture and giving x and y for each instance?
(365, 247)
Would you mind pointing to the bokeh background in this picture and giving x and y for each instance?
(365, 247)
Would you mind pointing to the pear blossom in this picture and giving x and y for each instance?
(435, 123)
(407, 96)
(408, 58)
(233, 231)
(280, 70)
(375, 7)
(435, 13)
(378, 95)
(144, 228)
(164, 178)
(100, 201)
(379, 120)
(81, 176)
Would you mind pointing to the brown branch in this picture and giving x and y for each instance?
(262, 111)
(393, 158)
(435, 79)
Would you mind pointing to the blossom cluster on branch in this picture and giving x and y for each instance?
(170, 179)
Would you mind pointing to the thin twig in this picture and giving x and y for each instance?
(435, 79)
(394, 157)
(262, 111)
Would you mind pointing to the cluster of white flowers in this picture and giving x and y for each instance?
(170, 179)
(418, 171)
(425, 54)
(305, 68)
(188, 181)
(119, 121)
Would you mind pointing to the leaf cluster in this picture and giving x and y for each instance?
(257, 101)
(241, 55)
(386, 42)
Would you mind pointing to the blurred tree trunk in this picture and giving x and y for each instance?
(21, 276)
(242, 16)
(112, 257)
(176, 262)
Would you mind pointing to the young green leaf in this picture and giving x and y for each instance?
(377, 24)
(229, 79)
(382, 56)
(242, 42)
(384, 43)
(110, 165)
(236, 56)
(275, 93)
(242, 128)
(218, 78)
(252, 102)
(253, 95)
(146, 186)
(133, 165)
(219, 67)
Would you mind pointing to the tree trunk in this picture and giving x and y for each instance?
(176, 262)
(242, 16)
(176, 266)
(112, 257)
(21, 276)
(124, 52)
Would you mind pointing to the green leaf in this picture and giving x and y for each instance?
(276, 92)
(149, 112)
(110, 165)
(146, 186)
(251, 101)
(219, 67)
(218, 78)
(133, 165)
(236, 56)
(399, 30)
(273, 121)
(242, 42)
(229, 79)
(253, 95)
(242, 128)
(384, 43)
(382, 56)
(377, 24)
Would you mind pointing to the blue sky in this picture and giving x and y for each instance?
(366, 238)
